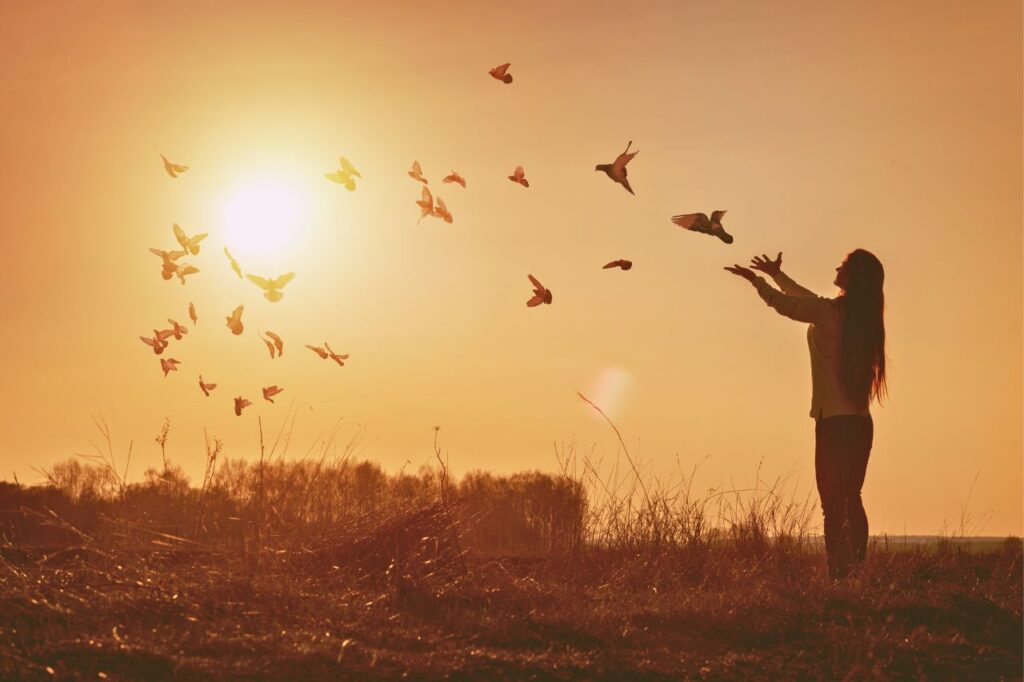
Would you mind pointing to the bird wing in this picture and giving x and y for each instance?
(337, 176)
(499, 71)
(439, 205)
(262, 283)
(282, 280)
(180, 235)
(149, 342)
(519, 172)
(613, 264)
(236, 315)
(716, 216)
(625, 183)
(622, 159)
(536, 300)
(348, 167)
(278, 341)
(692, 221)
(535, 283)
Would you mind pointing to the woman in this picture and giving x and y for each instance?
(847, 342)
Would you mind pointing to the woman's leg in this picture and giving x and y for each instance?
(861, 437)
(830, 475)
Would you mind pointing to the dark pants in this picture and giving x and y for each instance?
(842, 445)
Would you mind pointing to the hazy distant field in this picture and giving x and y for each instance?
(338, 571)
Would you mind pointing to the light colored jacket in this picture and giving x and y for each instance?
(823, 339)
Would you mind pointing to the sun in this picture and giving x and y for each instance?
(266, 218)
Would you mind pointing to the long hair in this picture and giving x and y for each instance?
(862, 353)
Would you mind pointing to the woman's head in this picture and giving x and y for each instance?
(860, 271)
(861, 276)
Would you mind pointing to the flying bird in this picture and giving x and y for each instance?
(158, 343)
(334, 356)
(699, 222)
(169, 365)
(624, 264)
(270, 347)
(169, 267)
(426, 204)
(456, 178)
(519, 176)
(346, 175)
(541, 294)
(272, 287)
(185, 269)
(417, 173)
(189, 244)
(205, 387)
(319, 351)
(192, 313)
(270, 391)
(235, 321)
(278, 343)
(234, 263)
(441, 211)
(617, 170)
(501, 73)
(177, 330)
(240, 404)
(173, 169)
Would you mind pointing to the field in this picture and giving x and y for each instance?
(334, 570)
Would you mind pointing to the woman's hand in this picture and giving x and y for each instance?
(745, 273)
(766, 265)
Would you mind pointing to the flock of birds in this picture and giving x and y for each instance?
(429, 206)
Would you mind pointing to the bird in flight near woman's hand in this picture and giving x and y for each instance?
(617, 170)
(699, 222)
(270, 391)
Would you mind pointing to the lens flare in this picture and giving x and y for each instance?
(610, 391)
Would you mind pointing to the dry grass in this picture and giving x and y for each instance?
(327, 568)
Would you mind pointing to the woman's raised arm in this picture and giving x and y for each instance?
(810, 309)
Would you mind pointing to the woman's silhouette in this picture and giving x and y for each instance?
(846, 337)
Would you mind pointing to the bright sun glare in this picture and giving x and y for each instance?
(266, 217)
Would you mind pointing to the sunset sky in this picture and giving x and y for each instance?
(891, 126)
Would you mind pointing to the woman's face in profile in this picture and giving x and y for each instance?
(841, 277)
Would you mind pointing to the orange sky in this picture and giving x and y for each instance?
(894, 127)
